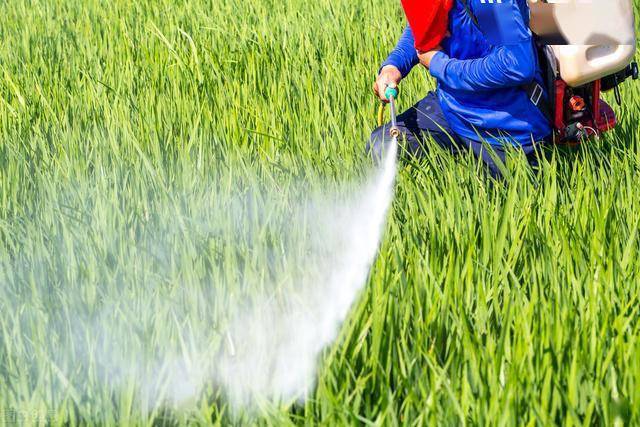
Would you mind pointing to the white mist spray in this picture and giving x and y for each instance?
(164, 328)
(276, 343)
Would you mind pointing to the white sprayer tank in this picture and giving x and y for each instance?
(595, 38)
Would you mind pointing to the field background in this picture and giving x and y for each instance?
(124, 123)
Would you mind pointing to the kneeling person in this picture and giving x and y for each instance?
(484, 72)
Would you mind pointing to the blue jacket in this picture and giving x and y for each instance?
(481, 74)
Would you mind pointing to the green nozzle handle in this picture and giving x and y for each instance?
(391, 92)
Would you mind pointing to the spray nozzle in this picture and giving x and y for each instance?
(392, 93)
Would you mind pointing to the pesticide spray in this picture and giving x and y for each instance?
(154, 323)
(274, 346)
(274, 339)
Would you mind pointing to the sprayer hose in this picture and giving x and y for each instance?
(381, 114)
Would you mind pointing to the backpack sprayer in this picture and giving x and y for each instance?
(584, 49)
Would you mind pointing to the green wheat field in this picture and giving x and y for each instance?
(128, 129)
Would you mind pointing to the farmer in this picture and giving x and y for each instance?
(489, 86)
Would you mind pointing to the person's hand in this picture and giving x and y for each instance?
(426, 57)
(389, 76)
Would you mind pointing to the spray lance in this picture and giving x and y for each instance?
(391, 93)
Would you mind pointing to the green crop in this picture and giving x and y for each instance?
(132, 132)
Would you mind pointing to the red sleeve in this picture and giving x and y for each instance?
(428, 20)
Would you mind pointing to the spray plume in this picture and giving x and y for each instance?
(281, 339)
(164, 331)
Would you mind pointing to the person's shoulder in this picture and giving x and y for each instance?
(503, 21)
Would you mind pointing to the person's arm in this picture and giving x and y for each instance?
(512, 61)
(506, 66)
(404, 56)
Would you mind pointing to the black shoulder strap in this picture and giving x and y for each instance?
(534, 91)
